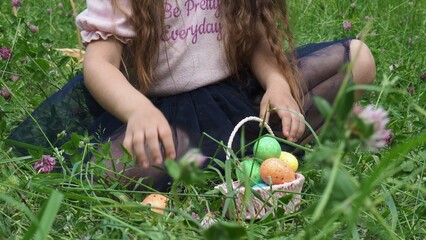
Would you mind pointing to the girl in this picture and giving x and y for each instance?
(164, 73)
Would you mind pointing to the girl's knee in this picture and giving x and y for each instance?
(364, 66)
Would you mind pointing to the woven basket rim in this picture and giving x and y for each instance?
(300, 179)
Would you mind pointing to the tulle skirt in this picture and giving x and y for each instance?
(207, 115)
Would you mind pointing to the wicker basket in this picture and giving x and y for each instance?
(267, 200)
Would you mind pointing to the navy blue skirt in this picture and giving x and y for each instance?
(207, 114)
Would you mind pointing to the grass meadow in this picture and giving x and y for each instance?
(349, 192)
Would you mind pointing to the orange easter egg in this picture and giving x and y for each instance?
(276, 171)
(157, 201)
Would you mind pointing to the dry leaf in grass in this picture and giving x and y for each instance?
(73, 52)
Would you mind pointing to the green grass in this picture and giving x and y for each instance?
(348, 192)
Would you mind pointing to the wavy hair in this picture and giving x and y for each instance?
(240, 18)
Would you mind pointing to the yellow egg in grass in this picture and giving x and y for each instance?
(290, 159)
(158, 202)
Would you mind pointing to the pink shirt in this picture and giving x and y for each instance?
(191, 52)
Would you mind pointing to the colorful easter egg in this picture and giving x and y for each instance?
(275, 171)
(157, 202)
(290, 159)
(266, 147)
(249, 168)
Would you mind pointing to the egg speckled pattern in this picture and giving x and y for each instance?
(249, 167)
(157, 201)
(266, 147)
(276, 171)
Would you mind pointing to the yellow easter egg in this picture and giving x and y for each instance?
(290, 159)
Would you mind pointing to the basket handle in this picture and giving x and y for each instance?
(237, 127)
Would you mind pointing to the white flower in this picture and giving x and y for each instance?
(378, 118)
(208, 220)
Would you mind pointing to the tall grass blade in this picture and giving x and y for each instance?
(40, 230)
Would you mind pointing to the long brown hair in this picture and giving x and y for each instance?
(239, 16)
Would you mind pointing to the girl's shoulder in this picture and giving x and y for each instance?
(102, 19)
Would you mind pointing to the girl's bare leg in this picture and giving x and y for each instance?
(323, 72)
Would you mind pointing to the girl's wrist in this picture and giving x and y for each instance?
(127, 110)
(276, 82)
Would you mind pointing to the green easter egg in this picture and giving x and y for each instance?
(266, 147)
(245, 168)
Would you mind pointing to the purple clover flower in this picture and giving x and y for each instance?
(379, 119)
(6, 53)
(390, 137)
(347, 25)
(353, 5)
(6, 94)
(45, 165)
(17, 3)
(422, 76)
(193, 156)
(15, 77)
(196, 157)
(195, 216)
(32, 27)
(410, 90)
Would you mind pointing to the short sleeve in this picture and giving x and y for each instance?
(101, 20)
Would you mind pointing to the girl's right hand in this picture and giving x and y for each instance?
(147, 132)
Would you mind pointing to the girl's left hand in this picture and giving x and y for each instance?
(278, 99)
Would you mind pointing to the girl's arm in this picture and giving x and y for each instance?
(277, 91)
(145, 123)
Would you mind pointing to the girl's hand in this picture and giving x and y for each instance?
(147, 131)
(147, 127)
(278, 99)
(264, 65)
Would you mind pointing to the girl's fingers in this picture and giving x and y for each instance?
(153, 145)
(301, 129)
(292, 126)
(139, 150)
(264, 113)
(168, 144)
(295, 123)
(286, 124)
(127, 142)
